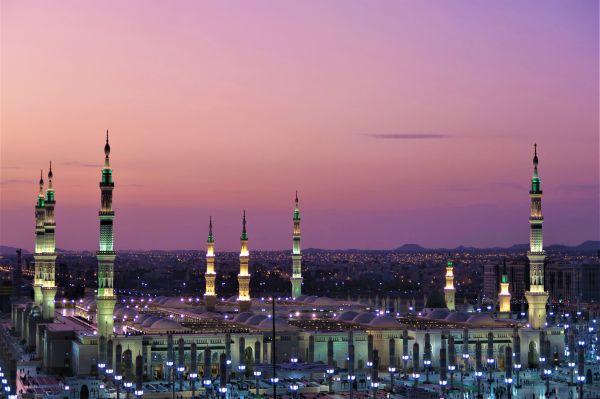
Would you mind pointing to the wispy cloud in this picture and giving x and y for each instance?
(408, 136)
(580, 187)
(507, 184)
(81, 164)
(10, 182)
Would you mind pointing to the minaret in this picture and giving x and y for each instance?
(244, 276)
(210, 297)
(49, 283)
(449, 290)
(40, 219)
(536, 296)
(504, 295)
(106, 299)
(296, 255)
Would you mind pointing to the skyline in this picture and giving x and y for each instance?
(385, 150)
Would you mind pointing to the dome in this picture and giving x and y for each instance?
(242, 317)
(255, 320)
(324, 301)
(348, 315)
(311, 299)
(364, 318)
(384, 321)
(125, 313)
(148, 322)
(480, 320)
(165, 324)
(301, 298)
(457, 317)
(141, 318)
(280, 325)
(436, 300)
(438, 314)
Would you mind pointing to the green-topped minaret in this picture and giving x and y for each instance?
(105, 298)
(536, 297)
(244, 276)
(49, 255)
(40, 219)
(504, 295)
(296, 254)
(449, 290)
(210, 296)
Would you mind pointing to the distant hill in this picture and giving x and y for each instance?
(589, 247)
(5, 250)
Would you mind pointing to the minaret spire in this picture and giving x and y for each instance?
(536, 297)
(244, 276)
(296, 254)
(504, 295)
(105, 298)
(210, 296)
(40, 243)
(449, 290)
(49, 257)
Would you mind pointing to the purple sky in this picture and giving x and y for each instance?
(398, 122)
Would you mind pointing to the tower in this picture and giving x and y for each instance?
(504, 295)
(449, 290)
(536, 296)
(105, 298)
(210, 295)
(40, 219)
(296, 255)
(244, 276)
(49, 255)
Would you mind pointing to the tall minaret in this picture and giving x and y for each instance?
(244, 276)
(106, 299)
(536, 296)
(449, 290)
(296, 255)
(210, 297)
(49, 283)
(40, 219)
(504, 295)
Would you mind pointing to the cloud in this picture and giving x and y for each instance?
(11, 182)
(507, 184)
(81, 164)
(408, 136)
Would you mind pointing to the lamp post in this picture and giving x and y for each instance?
(294, 389)
(415, 361)
(508, 380)
(374, 386)
(427, 357)
(405, 362)
(127, 385)
(242, 370)
(257, 374)
(351, 378)
(443, 368)
(581, 367)
(223, 391)
(118, 379)
(478, 366)
(207, 383)
(465, 357)
(330, 372)
(391, 370)
(171, 377)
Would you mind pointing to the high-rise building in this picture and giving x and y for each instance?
(536, 296)
(244, 276)
(517, 276)
(49, 256)
(105, 298)
(449, 290)
(296, 255)
(573, 282)
(504, 295)
(38, 256)
(210, 296)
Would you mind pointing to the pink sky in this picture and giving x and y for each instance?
(398, 122)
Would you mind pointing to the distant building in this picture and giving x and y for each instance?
(517, 273)
(575, 282)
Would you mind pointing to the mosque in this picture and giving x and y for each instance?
(152, 338)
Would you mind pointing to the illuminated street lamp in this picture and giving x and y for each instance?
(330, 373)
(392, 370)
(257, 374)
